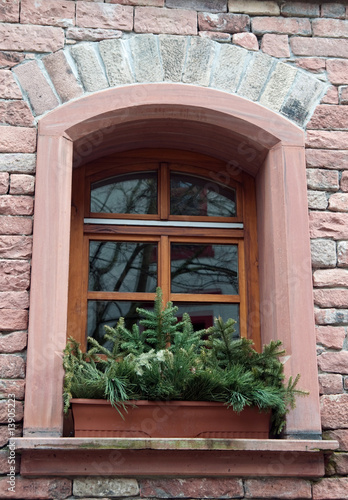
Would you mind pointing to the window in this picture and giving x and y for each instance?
(161, 218)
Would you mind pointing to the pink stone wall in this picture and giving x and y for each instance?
(311, 36)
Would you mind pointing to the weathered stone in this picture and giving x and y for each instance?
(16, 113)
(4, 182)
(15, 247)
(334, 410)
(11, 365)
(279, 25)
(229, 67)
(331, 277)
(344, 181)
(327, 180)
(278, 487)
(165, 21)
(217, 36)
(15, 300)
(105, 487)
(199, 62)
(331, 298)
(16, 205)
(342, 253)
(17, 140)
(323, 253)
(322, 47)
(301, 9)
(173, 52)
(191, 488)
(100, 15)
(328, 225)
(314, 64)
(200, 5)
(338, 202)
(91, 34)
(304, 93)
(16, 341)
(89, 68)
(254, 7)
(4, 412)
(50, 12)
(22, 184)
(278, 86)
(146, 58)
(62, 76)
(332, 488)
(228, 23)
(331, 96)
(256, 76)
(337, 70)
(327, 139)
(31, 38)
(331, 336)
(330, 384)
(317, 200)
(38, 89)
(340, 435)
(335, 10)
(329, 117)
(9, 11)
(17, 163)
(114, 55)
(331, 316)
(37, 488)
(343, 94)
(333, 28)
(10, 59)
(246, 40)
(149, 3)
(275, 45)
(340, 463)
(15, 225)
(8, 87)
(337, 160)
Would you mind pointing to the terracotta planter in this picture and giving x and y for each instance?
(164, 419)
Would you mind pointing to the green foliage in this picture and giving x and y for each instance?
(165, 359)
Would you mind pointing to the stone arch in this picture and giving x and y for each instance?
(146, 58)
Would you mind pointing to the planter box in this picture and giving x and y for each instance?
(167, 419)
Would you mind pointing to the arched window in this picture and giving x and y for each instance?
(162, 218)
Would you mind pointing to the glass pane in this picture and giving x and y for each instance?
(204, 268)
(125, 194)
(122, 266)
(202, 315)
(102, 313)
(191, 195)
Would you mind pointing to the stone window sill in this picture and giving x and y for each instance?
(172, 457)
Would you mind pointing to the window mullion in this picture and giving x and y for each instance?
(164, 191)
(164, 267)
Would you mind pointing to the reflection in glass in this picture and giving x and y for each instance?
(202, 315)
(191, 195)
(204, 268)
(116, 266)
(125, 194)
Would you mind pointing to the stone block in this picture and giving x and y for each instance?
(16, 341)
(100, 15)
(10, 59)
(331, 316)
(340, 435)
(342, 253)
(217, 36)
(332, 488)
(229, 67)
(331, 277)
(335, 10)
(330, 384)
(343, 95)
(314, 64)
(30, 38)
(192, 488)
(165, 21)
(334, 412)
(304, 93)
(323, 139)
(15, 225)
(89, 68)
(146, 58)
(254, 7)
(300, 9)
(11, 365)
(91, 34)
(344, 181)
(40, 94)
(99, 487)
(14, 276)
(8, 87)
(275, 45)
(256, 76)
(6, 465)
(15, 247)
(331, 96)
(199, 62)
(16, 205)
(335, 297)
(329, 117)
(319, 47)
(17, 140)
(278, 85)
(148, 3)
(246, 40)
(290, 488)
(336, 160)
(325, 180)
(4, 435)
(337, 71)
(22, 184)
(228, 23)
(14, 300)
(4, 182)
(36, 488)
(13, 319)
(62, 76)
(114, 55)
(340, 463)
(17, 163)
(16, 113)
(173, 53)
(338, 202)
(199, 5)
(333, 28)
(331, 336)
(4, 412)
(317, 200)
(328, 225)
(49, 12)
(281, 25)
(9, 11)
(323, 253)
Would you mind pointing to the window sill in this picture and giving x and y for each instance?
(172, 457)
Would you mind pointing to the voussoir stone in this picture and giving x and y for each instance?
(89, 68)
(173, 52)
(62, 76)
(199, 62)
(229, 67)
(146, 58)
(304, 92)
(114, 55)
(278, 86)
(256, 76)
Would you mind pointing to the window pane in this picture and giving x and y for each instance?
(125, 194)
(122, 266)
(202, 315)
(204, 268)
(101, 312)
(191, 195)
